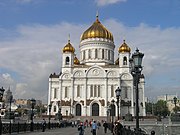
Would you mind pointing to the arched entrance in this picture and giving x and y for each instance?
(95, 109)
(78, 110)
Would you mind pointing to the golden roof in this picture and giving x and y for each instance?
(76, 61)
(124, 48)
(68, 47)
(97, 30)
(117, 61)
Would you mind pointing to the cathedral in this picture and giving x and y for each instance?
(86, 85)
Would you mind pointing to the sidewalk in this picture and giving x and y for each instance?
(66, 131)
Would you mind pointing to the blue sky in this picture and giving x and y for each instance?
(33, 33)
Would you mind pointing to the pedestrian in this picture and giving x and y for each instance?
(118, 128)
(81, 128)
(105, 125)
(94, 128)
(43, 125)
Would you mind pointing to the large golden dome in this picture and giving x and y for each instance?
(68, 47)
(97, 30)
(124, 48)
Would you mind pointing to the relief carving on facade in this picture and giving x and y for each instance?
(65, 103)
(124, 103)
(82, 102)
(88, 101)
(102, 102)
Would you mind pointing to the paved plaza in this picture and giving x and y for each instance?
(66, 131)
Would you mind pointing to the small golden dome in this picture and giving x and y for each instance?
(97, 30)
(76, 61)
(124, 48)
(117, 61)
(68, 47)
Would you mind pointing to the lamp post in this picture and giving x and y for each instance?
(33, 102)
(10, 115)
(1, 93)
(49, 124)
(175, 101)
(136, 66)
(112, 114)
(1, 96)
(118, 94)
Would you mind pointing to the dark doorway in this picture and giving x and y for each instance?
(78, 110)
(95, 109)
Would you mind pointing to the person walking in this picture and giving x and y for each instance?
(105, 125)
(81, 129)
(94, 128)
(43, 125)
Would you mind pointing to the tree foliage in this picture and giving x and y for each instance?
(161, 109)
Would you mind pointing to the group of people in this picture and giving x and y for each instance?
(94, 126)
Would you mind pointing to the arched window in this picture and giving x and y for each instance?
(95, 109)
(102, 53)
(78, 91)
(67, 60)
(55, 92)
(125, 61)
(91, 91)
(66, 92)
(96, 53)
(78, 110)
(112, 91)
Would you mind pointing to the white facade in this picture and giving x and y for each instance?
(87, 88)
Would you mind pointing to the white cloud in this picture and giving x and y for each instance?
(36, 53)
(107, 2)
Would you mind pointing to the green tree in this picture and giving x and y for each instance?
(161, 108)
(149, 108)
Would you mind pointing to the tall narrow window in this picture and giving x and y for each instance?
(83, 55)
(78, 91)
(55, 92)
(91, 91)
(125, 92)
(125, 61)
(96, 53)
(54, 109)
(67, 60)
(99, 91)
(95, 90)
(89, 53)
(108, 54)
(102, 53)
(66, 92)
(112, 91)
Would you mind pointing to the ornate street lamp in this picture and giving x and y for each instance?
(118, 94)
(175, 101)
(49, 124)
(33, 103)
(136, 69)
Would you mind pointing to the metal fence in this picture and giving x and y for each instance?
(6, 128)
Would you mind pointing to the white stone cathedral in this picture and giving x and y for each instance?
(87, 86)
